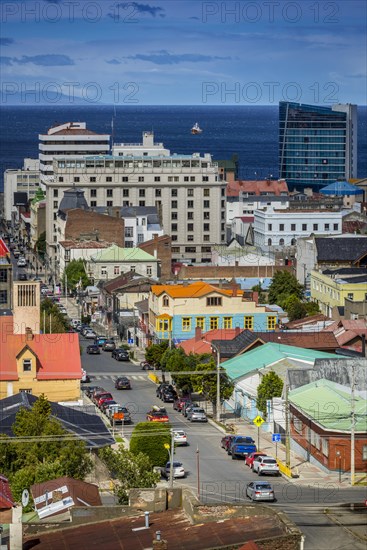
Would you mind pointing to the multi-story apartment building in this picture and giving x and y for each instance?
(176, 310)
(185, 189)
(6, 277)
(244, 197)
(283, 227)
(24, 181)
(111, 262)
(317, 145)
(142, 223)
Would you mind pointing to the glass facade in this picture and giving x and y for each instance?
(314, 145)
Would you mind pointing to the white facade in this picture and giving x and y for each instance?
(69, 251)
(24, 180)
(245, 204)
(138, 229)
(107, 264)
(145, 149)
(185, 189)
(282, 228)
(71, 138)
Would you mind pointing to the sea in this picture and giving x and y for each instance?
(251, 132)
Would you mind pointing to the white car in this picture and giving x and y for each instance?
(265, 465)
(90, 335)
(22, 262)
(180, 437)
(178, 470)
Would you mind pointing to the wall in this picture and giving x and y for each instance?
(54, 390)
(160, 248)
(26, 315)
(108, 228)
(329, 293)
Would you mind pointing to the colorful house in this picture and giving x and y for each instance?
(176, 310)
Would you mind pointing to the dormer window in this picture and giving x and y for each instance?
(165, 301)
(27, 365)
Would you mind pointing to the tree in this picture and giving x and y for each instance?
(130, 471)
(312, 308)
(155, 352)
(206, 384)
(51, 319)
(284, 285)
(41, 244)
(258, 288)
(150, 438)
(74, 273)
(270, 386)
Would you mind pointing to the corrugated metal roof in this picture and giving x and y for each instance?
(117, 254)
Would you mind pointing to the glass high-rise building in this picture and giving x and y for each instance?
(317, 145)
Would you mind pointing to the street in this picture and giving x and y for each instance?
(220, 478)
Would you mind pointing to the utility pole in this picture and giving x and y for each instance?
(287, 431)
(352, 429)
(171, 462)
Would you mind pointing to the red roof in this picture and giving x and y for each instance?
(57, 355)
(198, 345)
(4, 250)
(6, 498)
(275, 187)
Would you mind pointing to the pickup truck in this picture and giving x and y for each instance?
(241, 446)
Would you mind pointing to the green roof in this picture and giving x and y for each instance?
(117, 254)
(263, 356)
(329, 405)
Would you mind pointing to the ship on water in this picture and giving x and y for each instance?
(196, 129)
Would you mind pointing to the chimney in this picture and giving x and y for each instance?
(255, 297)
(364, 345)
(237, 331)
(29, 333)
(198, 334)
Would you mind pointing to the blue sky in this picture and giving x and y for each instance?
(183, 53)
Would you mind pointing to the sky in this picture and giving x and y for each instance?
(173, 52)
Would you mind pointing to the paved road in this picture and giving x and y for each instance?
(222, 479)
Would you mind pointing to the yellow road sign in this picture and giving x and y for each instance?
(258, 421)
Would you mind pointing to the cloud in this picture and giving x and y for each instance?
(130, 9)
(163, 57)
(46, 60)
(6, 41)
(113, 61)
(5, 60)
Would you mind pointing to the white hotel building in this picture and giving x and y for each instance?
(185, 189)
(279, 228)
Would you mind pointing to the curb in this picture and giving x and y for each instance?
(349, 531)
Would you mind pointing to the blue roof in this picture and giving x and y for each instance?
(341, 188)
(248, 282)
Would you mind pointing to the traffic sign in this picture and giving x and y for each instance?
(276, 438)
(130, 341)
(258, 421)
(25, 497)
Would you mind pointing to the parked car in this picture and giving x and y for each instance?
(118, 415)
(22, 277)
(92, 349)
(180, 437)
(186, 408)
(251, 457)
(107, 403)
(100, 340)
(225, 442)
(178, 403)
(241, 447)
(178, 470)
(89, 334)
(265, 465)
(120, 354)
(89, 391)
(260, 490)
(97, 394)
(85, 377)
(197, 415)
(144, 365)
(168, 396)
(157, 414)
(122, 383)
(109, 345)
(22, 262)
(84, 329)
(16, 253)
(102, 398)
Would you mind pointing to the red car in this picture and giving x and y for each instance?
(251, 457)
(226, 441)
(157, 414)
(179, 402)
(104, 397)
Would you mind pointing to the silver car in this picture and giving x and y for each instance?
(197, 415)
(260, 490)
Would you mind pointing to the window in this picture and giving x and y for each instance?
(103, 270)
(327, 227)
(158, 192)
(56, 204)
(227, 322)
(190, 227)
(93, 203)
(213, 323)
(165, 301)
(141, 179)
(27, 365)
(293, 226)
(270, 227)
(214, 301)
(76, 179)
(125, 192)
(93, 192)
(26, 391)
(173, 226)
(149, 270)
(109, 203)
(133, 268)
(163, 325)
(141, 203)
(173, 204)
(190, 215)
(304, 227)
(206, 215)
(140, 237)
(281, 227)
(92, 179)
(173, 192)
(3, 275)
(200, 322)
(350, 295)
(56, 192)
(3, 296)
(248, 322)
(206, 238)
(186, 178)
(271, 322)
(61, 179)
(364, 452)
(157, 178)
(281, 242)
(190, 249)
(206, 192)
(315, 226)
(109, 192)
(336, 227)
(190, 192)
(116, 270)
(174, 215)
(206, 227)
(141, 192)
(109, 179)
(192, 178)
(190, 204)
(186, 324)
(173, 237)
(269, 242)
(206, 204)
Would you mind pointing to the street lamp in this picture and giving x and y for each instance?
(170, 454)
(216, 348)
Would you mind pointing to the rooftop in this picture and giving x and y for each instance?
(117, 254)
(343, 248)
(341, 188)
(193, 290)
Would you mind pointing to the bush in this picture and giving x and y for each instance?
(149, 438)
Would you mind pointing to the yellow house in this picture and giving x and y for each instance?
(330, 288)
(39, 364)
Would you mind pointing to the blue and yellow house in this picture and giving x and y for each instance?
(176, 310)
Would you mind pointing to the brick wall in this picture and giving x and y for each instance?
(160, 247)
(84, 225)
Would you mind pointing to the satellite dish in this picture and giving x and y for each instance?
(25, 497)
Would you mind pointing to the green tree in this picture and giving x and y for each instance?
(284, 285)
(258, 288)
(270, 386)
(130, 471)
(206, 384)
(75, 272)
(150, 438)
(312, 308)
(51, 319)
(41, 244)
(155, 352)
